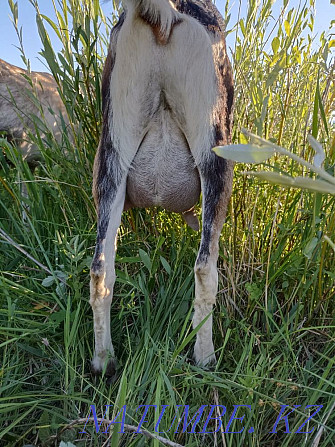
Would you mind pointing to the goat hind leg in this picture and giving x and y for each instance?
(216, 182)
(111, 197)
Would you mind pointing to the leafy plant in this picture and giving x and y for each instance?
(260, 150)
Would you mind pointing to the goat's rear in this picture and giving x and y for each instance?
(168, 95)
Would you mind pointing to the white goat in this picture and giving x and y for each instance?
(167, 100)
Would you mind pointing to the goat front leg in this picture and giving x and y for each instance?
(216, 183)
(109, 190)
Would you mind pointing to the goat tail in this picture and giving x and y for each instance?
(155, 12)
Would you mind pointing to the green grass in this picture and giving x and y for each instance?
(274, 326)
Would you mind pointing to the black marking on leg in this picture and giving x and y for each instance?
(219, 136)
(226, 87)
(109, 66)
(97, 263)
(217, 172)
(214, 174)
(109, 177)
(107, 167)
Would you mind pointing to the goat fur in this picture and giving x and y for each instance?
(167, 100)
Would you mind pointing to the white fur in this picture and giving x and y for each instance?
(160, 10)
(175, 68)
(101, 295)
(182, 72)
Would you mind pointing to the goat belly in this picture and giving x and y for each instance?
(163, 172)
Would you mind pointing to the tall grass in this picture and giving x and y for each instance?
(274, 319)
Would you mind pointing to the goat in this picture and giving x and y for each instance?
(167, 93)
(19, 107)
(26, 97)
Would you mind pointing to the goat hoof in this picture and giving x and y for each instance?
(98, 367)
(203, 358)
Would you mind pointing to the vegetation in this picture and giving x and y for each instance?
(274, 320)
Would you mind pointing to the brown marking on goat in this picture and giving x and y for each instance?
(160, 38)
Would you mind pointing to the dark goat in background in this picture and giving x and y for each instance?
(21, 102)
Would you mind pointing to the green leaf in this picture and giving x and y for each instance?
(14, 10)
(254, 291)
(287, 27)
(48, 281)
(315, 121)
(145, 259)
(52, 24)
(189, 337)
(273, 75)
(238, 53)
(330, 242)
(309, 249)
(44, 432)
(275, 45)
(295, 182)
(243, 139)
(165, 264)
(321, 108)
(244, 153)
